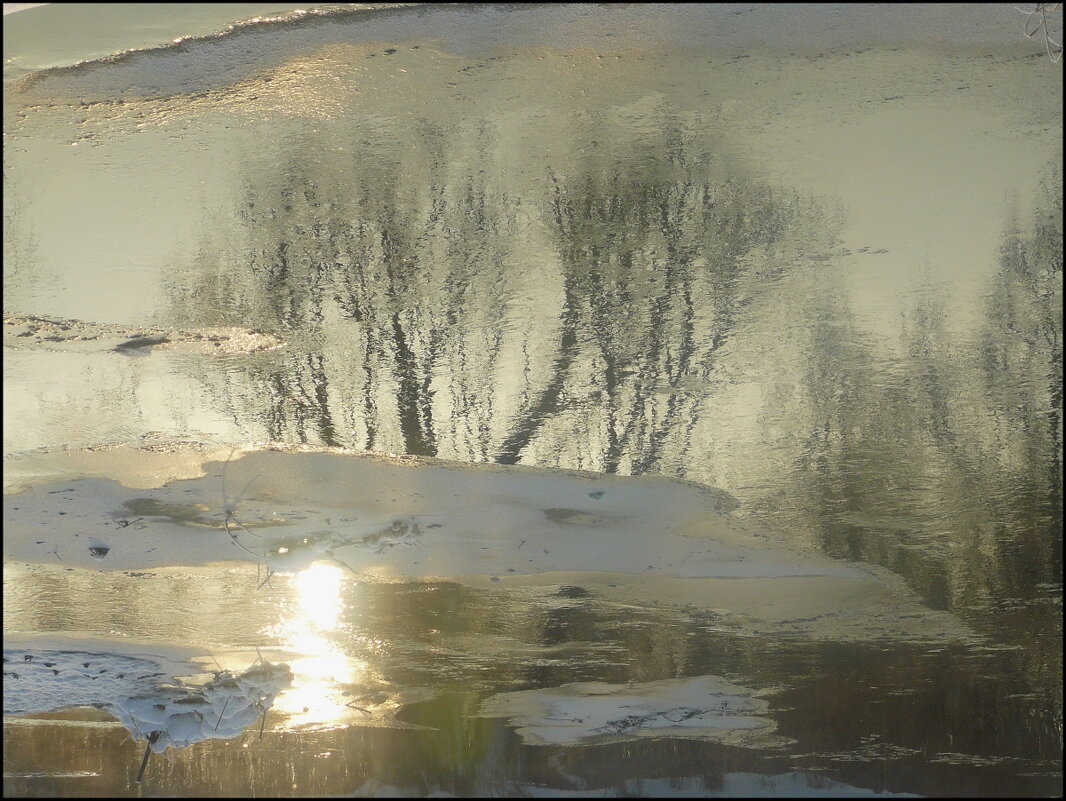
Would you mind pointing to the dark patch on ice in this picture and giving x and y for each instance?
(178, 512)
(138, 343)
(570, 591)
(574, 517)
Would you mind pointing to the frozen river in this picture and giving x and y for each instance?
(623, 400)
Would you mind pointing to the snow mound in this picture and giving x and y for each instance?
(220, 709)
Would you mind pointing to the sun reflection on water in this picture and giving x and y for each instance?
(310, 628)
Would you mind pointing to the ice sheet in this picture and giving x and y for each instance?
(43, 673)
(645, 539)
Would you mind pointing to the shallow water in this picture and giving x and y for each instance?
(811, 258)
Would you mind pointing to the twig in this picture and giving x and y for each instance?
(147, 753)
(1039, 12)
(223, 712)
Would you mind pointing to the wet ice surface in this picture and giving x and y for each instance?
(637, 539)
(287, 549)
(273, 548)
(42, 680)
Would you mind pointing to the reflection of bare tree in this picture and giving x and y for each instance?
(659, 266)
(957, 445)
(1022, 338)
(394, 276)
(355, 273)
(598, 308)
(1021, 368)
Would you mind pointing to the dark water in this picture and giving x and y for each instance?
(763, 268)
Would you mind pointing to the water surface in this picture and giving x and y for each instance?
(809, 256)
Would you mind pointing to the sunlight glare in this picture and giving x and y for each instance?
(315, 698)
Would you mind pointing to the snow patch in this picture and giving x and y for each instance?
(703, 707)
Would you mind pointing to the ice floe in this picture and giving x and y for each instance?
(702, 707)
(28, 330)
(628, 539)
(221, 708)
(140, 688)
(44, 679)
